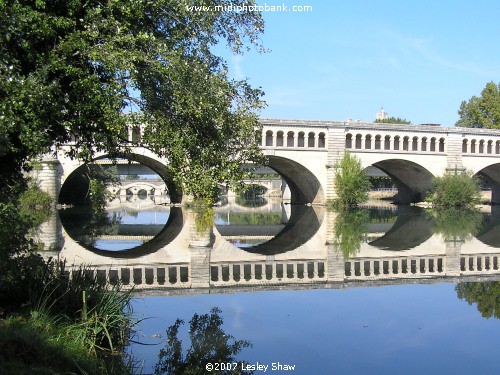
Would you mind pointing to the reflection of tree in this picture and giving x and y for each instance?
(85, 224)
(203, 219)
(254, 218)
(383, 216)
(485, 294)
(457, 224)
(209, 344)
(246, 202)
(349, 229)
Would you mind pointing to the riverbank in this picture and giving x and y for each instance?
(76, 324)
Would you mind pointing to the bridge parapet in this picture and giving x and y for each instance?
(179, 276)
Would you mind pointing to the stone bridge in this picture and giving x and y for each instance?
(302, 255)
(304, 153)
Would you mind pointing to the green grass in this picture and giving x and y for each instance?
(70, 325)
(39, 344)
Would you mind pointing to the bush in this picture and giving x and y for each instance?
(35, 198)
(457, 189)
(351, 182)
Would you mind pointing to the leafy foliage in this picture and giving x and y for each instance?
(483, 111)
(457, 189)
(54, 335)
(351, 182)
(209, 344)
(457, 224)
(393, 120)
(70, 70)
(485, 294)
(349, 229)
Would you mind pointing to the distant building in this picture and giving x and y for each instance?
(382, 115)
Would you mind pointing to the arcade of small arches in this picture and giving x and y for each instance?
(292, 139)
(480, 146)
(394, 143)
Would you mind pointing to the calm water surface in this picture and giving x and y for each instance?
(387, 290)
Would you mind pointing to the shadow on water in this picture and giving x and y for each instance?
(84, 227)
(412, 228)
(489, 234)
(302, 225)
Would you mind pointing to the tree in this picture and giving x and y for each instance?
(393, 120)
(69, 71)
(209, 345)
(483, 111)
(457, 189)
(485, 294)
(351, 182)
(350, 228)
(457, 224)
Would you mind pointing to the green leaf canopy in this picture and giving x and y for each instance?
(86, 71)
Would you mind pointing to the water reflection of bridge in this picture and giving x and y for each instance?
(303, 254)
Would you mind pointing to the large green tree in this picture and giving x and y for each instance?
(76, 70)
(351, 182)
(482, 111)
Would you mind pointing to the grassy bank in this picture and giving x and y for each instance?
(74, 325)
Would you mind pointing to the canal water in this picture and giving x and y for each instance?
(383, 289)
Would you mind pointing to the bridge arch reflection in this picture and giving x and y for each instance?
(429, 252)
(75, 184)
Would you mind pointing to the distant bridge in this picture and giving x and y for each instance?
(304, 153)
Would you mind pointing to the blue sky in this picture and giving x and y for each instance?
(347, 59)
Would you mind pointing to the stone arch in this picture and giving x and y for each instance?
(304, 186)
(311, 139)
(359, 139)
(441, 144)
(481, 146)
(72, 187)
(378, 142)
(321, 140)
(301, 140)
(414, 144)
(387, 142)
(432, 146)
(473, 146)
(412, 180)
(269, 138)
(290, 141)
(490, 174)
(279, 139)
(136, 187)
(423, 145)
(397, 139)
(406, 143)
(465, 146)
(348, 140)
(368, 142)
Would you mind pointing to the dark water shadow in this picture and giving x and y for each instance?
(412, 228)
(302, 225)
(167, 234)
(489, 234)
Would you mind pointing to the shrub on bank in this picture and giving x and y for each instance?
(351, 183)
(457, 189)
